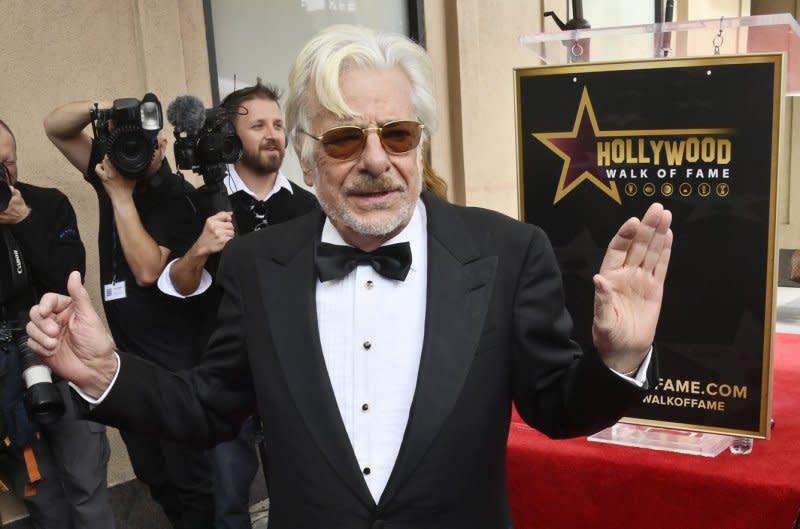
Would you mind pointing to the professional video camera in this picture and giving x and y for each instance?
(5, 190)
(205, 142)
(205, 139)
(129, 130)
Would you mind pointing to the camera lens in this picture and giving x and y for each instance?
(130, 150)
(44, 403)
(5, 191)
(42, 398)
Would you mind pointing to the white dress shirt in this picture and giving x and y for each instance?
(233, 183)
(371, 329)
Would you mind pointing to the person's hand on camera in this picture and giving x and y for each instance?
(17, 208)
(69, 337)
(217, 231)
(116, 185)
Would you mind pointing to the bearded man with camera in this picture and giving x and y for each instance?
(136, 189)
(256, 193)
(51, 460)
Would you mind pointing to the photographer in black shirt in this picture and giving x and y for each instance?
(125, 165)
(39, 246)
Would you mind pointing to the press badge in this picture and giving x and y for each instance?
(112, 291)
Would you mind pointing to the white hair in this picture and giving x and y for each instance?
(337, 48)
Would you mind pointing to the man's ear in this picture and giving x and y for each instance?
(162, 145)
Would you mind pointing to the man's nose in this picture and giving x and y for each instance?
(271, 133)
(374, 157)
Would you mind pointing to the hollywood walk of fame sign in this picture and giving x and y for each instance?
(598, 143)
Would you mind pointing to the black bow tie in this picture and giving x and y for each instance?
(335, 262)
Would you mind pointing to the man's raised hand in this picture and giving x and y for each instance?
(69, 337)
(629, 289)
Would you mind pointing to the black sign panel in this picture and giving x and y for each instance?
(598, 143)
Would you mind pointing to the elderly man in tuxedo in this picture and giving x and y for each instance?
(382, 342)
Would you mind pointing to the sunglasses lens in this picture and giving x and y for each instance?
(343, 143)
(346, 143)
(401, 136)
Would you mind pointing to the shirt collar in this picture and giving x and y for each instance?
(415, 233)
(234, 183)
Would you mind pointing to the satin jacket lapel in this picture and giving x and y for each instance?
(459, 286)
(288, 284)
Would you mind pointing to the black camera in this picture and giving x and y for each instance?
(5, 190)
(205, 139)
(129, 130)
(41, 397)
(205, 142)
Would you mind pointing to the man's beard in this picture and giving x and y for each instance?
(258, 165)
(368, 184)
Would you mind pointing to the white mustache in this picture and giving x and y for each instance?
(367, 184)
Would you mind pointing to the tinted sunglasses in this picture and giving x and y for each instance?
(347, 142)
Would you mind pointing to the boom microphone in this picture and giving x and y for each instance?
(187, 114)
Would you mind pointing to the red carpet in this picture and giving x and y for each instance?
(575, 483)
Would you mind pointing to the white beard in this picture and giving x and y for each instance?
(341, 214)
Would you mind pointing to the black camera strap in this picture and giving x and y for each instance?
(17, 266)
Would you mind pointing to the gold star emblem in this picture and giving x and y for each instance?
(578, 149)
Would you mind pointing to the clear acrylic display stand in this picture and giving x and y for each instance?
(659, 438)
(721, 36)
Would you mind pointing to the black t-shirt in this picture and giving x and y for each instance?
(145, 322)
(50, 247)
(189, 217)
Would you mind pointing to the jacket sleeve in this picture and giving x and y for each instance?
(201, 406)
(49, 239)
(558, 388)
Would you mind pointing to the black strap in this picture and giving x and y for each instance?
(17, 266)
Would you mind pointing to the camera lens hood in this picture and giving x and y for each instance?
(44, 403)
(131, 150)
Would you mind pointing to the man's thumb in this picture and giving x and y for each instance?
(79, 295)
(603, 312)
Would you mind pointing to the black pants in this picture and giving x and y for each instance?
(179, 478)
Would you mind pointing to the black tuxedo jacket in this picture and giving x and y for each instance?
(496, 331)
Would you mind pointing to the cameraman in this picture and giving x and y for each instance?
(260, 194)
(133, 230)
(39, 226)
